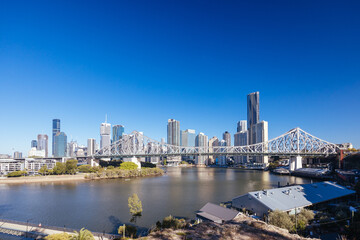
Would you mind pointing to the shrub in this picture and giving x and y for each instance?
(58, 236)
(172, 222)
(83, 234)
(85, 169)
(128, 166)
(281, 219)
(17, 174)
(147, 165)
(130, 231)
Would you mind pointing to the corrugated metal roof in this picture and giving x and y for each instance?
(217, 211)
(287, 198)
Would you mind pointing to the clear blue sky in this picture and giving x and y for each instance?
(142, 62)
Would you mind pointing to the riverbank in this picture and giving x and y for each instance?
(49, 178)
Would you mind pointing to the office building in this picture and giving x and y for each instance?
(188, 138)
(91, 145)
(201, 140)
(42, 143)
(173, 132)
(213, 142)
(222, 158)
(60, 144)
(34, 152)
(241, 126)
(105, 131)
(241, 139)
(55, 130)
(227, 138)
(71, 148)
(259, 133)
(117, 132)
(17, 155)
(34, 144)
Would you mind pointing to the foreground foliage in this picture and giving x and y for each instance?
(58, 236)
(83, 234)
(130, 231)
(284, 220)
(135, 205)
(171, 222)
(17, 174)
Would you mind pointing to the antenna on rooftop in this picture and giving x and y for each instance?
(105, 118)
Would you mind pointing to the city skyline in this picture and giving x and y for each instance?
(110, 62)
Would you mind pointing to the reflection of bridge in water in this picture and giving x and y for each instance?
(294, 144)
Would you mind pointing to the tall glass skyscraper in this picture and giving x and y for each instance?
(117, 132)
(60, 143)
(55, 130)
(227, 138)
(253, 108)
(105, 131)
(34, 144)
(241, 126)
(42, 143)
(173, 132)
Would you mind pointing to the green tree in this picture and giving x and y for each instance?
(281, 219)
(130, 231)
(83, 234)
(59, 168)
(58, 236)
(43, 170)
(71, 166)
(128, 166)
(135, 205)
(17, 174)
(85, 168)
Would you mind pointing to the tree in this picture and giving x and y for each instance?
(58, 236)
(17, 174)
(83, 234)
(71, 166)
(281, 219)
(85, 168)
(130, 231)
(128, 166)
(43, 170)
(135, 205)
(59, 168)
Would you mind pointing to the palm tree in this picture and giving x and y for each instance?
(83, 234)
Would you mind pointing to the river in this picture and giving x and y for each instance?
(101, 205)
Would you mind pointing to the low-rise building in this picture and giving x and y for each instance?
(290, 199)
(11, 165)
(31, 165)
(215, 213)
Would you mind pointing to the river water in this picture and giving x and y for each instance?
(101, 205)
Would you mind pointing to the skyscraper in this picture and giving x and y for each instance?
(201, 140)
(34, 144)
(241, 139)
(241, 126)
(17, 155)
(222, 158)
(188, 138)
(105, 131)
(227, 138)
(71, 148)
(173, 132)
(91, 145)
(117, 132)
(60, 144)
(55, 130)
(42, 140)
(253, 113)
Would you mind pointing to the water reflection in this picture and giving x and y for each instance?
(102, 205)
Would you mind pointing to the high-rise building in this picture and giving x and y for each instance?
(55, 130)
(105, 131)
(117, 132)
(91, 145)
(71, 148)
(42, 143)
(201, 140)
(260, 134)
(60, 144)
(227, 138)
(173, 132)
(253, 109)
(222, 158)
(17, 155)
(213, 142)
(34, 144)
(188, 138)
(241, 139)
(241, 126)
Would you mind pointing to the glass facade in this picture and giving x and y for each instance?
(60, 143)
(173, 132)
(34, 144)
(42, 143)
(55, 130)
(117, 132)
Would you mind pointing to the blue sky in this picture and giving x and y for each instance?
(142, 62)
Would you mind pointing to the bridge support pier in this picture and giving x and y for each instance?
(93, 162)
(295, 162)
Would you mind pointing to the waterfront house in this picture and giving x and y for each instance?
(290, 199)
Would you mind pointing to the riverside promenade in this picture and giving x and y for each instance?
(30, 230)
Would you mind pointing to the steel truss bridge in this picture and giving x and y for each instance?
(295, 142)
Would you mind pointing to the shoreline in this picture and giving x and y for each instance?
(49, 178)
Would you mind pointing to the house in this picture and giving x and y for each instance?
(216, 213)
(290, 199)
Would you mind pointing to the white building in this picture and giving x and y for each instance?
(11, 165)
(91, 145)
(31, 165)
(34, 152)
(105, 135)
(201, 140)
(259, 133)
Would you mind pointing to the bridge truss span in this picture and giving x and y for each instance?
(295, 142)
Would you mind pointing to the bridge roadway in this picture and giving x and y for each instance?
(31, 230)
